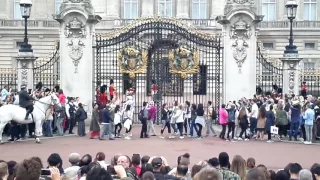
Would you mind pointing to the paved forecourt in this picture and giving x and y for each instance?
(275, 155)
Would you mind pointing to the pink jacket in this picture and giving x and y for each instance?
(62, 98)
(152, 113)
(223, 116)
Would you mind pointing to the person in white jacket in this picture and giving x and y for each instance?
(178, 117)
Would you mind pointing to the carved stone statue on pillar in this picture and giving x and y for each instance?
(77, 20)
(240, 32)
(239, 35)
(75, 31)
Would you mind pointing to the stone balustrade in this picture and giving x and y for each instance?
(201, 23)
(286, 24)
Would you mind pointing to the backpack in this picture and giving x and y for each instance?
(140, 115)
(232, 115)
(85, 115)
(143, 114)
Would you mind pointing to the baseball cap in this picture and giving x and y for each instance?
(156, 162)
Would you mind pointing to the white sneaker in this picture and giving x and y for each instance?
(306, 142)
(161, 137)
(127, 138)
(189, 136)
(246, 139)
(171, 137)
(130, 135)
(310, 142)
(269, 141)
(240, 139)
(181, 137)
(254, 136)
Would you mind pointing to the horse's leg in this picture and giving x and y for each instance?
(38, 131)
(1, 131)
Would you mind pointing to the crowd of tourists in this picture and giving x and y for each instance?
(293, 118)
(300, 116)
(138, 167)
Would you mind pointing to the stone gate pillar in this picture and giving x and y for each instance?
(77, 27)
(239, 38)
(25, 69)
(290, 64)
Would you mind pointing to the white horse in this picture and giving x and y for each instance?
(16, 113)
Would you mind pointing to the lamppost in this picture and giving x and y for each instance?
(290, 60)
(291, 7)
(25, 7)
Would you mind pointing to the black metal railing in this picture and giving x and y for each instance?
(8, 78)
(47, 71)
(311, 79)
(269, 75)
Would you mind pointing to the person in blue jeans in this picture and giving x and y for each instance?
(48, 122)
(295, 112)
(193, 119)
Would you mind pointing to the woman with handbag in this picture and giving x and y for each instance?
(127, 121)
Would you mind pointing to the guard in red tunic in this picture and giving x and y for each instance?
(154, 88)
(103, 96)
(111, 89)
(304, 90)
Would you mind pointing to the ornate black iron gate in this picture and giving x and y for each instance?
(269, 74)
(161, 57)
(47, 71)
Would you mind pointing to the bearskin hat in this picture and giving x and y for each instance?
(39, 86)
(57, 87)
(275, 87)
(258, 90)
(103, 89)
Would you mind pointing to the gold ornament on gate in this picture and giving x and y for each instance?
(132, 61)
(184, 61)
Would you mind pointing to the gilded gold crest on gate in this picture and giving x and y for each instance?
(184, 61)
(132, 61)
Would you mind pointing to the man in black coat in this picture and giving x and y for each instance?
(26, 101)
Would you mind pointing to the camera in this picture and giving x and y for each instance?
(45, 172)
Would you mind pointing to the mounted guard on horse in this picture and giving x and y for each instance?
(26, 101)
